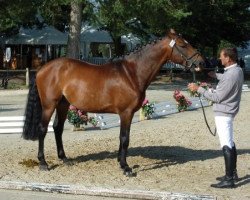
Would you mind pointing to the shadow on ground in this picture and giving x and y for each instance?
(165, 155)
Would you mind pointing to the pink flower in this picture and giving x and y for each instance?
(71, 107)
(79, 113)
(177, 95)
(182, 102)
(189, 103)
(176, 92)
(145, 102)
(84, 117)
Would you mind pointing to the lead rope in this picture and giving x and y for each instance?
(205, 118)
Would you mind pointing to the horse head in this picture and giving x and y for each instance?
(183, 53)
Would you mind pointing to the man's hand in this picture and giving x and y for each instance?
(193, 87)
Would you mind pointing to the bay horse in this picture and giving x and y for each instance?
(115, 87)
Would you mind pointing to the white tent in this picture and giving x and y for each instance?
(131, 40)
(47, 35)
(90, 34)
(245, 54)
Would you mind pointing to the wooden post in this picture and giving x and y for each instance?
(194, 77)
(171, 74)
(27, 76)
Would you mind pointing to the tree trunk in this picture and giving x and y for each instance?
(119, 49)
(73, 48)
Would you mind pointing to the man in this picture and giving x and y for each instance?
(226, 100)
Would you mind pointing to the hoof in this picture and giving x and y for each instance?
(68, 162)
(44, 167)
(128, 172)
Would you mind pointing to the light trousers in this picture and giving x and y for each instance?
(224, 126)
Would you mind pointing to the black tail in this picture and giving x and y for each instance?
(33, 115)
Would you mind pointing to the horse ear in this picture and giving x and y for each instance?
(172, 31)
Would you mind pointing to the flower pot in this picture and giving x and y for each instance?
(77, 127)
(142, 115)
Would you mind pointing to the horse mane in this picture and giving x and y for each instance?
(138, 49)
(135, 50)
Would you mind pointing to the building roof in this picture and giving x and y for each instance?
(91, 34)
(35, 36)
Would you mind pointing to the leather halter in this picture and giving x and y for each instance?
(186, 58)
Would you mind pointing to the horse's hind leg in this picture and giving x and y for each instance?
(61, 114)
(43, 128)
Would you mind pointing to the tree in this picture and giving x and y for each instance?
(206, 24)
(158, 16)
(16, 13)
(68, 15)
(214, 21)
(73, 48)
(37, 12)
(117, 17)
(56, 13)
(112, 15)
(143, 18)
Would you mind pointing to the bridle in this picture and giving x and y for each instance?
(187, 59)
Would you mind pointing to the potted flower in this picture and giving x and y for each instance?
(78, 117)
(146, 110)
(182, 102)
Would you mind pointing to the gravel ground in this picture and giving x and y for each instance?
(174, 153)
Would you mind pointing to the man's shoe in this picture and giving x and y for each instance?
(228, 182)
(230, 168)
(234, 166)
(235, 177)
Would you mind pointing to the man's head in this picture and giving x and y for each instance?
(228, 56)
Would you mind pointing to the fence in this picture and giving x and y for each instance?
(170, 67)
(14, 124)
(6, 75)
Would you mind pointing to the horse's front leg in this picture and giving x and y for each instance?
(126, 119)
(58, 129)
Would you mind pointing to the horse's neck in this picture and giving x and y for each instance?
(149, 60)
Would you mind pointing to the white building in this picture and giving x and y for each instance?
(245, 55)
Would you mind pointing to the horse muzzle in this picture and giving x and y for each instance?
(197, 66)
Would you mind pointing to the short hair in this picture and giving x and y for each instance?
(231, 53)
